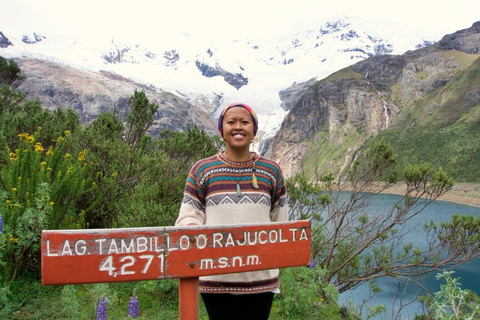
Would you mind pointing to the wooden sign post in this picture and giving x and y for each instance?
(132, 254)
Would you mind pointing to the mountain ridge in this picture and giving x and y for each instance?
(408, 99)
(91, 93)
(211, 74)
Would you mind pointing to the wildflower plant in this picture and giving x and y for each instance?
(133, 307)
(39, 190)
(102, 308)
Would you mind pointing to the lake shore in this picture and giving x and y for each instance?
(462, 193)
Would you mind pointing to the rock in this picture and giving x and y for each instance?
(4, 41)
(331, 119)
(467, 40)
(91, 93)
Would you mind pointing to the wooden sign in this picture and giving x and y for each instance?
(131, 254)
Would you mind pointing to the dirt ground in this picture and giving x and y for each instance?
(463, 193)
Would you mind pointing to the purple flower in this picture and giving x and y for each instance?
(312, 264)
(102, 309)
(337, 286)
(1, 223)
(133, 308)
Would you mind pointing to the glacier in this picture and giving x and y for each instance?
(268, 64)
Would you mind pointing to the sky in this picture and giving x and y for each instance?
(156, 19)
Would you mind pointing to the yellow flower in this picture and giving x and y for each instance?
(14, 189)
(67, 132)
(23, 136)
(49, 169)
(39, 128)
(49, 152)
(30, 139)
(38, 147)
(82, 154)
(8, 202)
(69, 170)
(43, 163)
(13, 156)
(114, 174)
(67, 155)
(12, 239)
(60, 139)
(52, 203)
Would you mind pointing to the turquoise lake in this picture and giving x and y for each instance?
(469, 272)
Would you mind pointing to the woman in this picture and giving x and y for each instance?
(236, 186)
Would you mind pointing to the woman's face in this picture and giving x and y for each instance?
(238, 128)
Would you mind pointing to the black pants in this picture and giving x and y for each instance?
(238, 306)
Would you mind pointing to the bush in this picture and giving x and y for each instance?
(451, 302)
(39, 191)
(306, 294)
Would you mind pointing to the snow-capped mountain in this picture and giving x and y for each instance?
(213, 73)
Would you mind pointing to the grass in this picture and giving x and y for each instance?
(26, 298)
(325, 157)
(456, 149)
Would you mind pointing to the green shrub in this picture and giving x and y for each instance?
(451, 302)
(39, 190)
(306, 294)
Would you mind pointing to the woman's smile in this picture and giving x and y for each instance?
(238, 129)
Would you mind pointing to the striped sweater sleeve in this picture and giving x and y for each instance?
(279, 210)
(192, 209)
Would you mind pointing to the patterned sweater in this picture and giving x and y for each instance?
(219, 192)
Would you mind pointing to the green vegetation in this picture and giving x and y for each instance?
(443, 128)
(454, 148)
(345, 73)
(324, 154)
(451, 302)
(10, 73)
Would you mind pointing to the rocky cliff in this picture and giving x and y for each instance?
(332, 119)
(92, 93)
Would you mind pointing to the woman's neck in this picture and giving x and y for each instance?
(238, 156)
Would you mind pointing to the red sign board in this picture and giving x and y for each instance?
(131, 254)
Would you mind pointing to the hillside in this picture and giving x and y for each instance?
(91, 93)
(426, 103)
